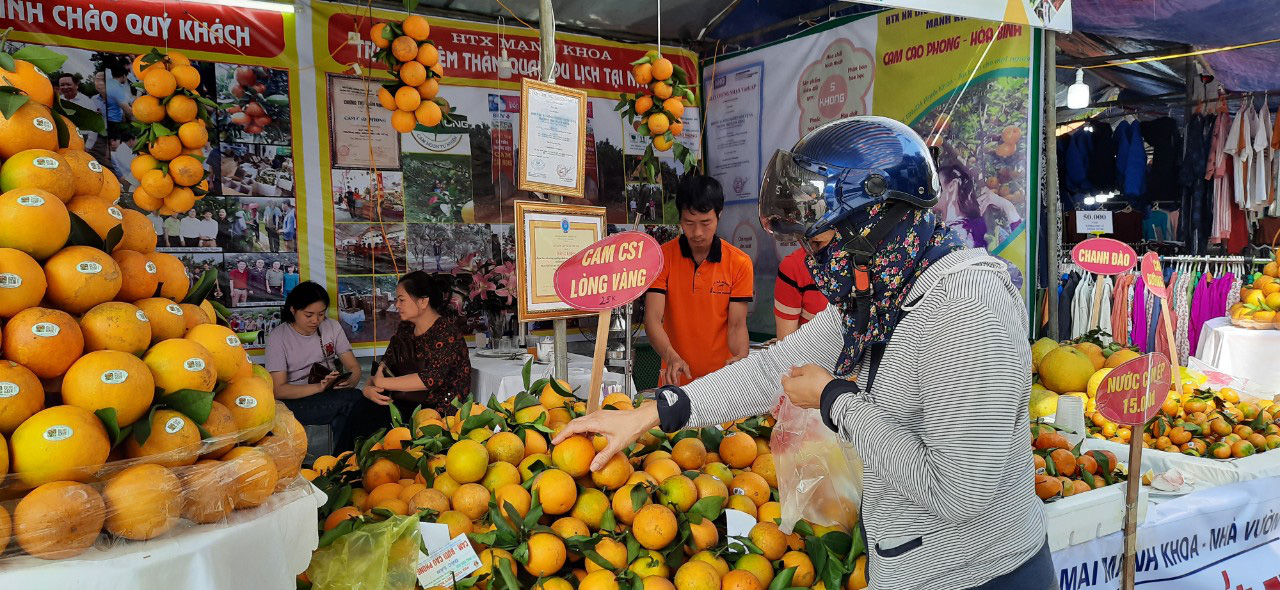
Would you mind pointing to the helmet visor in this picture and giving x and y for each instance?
(793, 198)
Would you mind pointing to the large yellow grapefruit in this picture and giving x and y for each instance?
(30, 127)
(1066, 369)
(110, 379)
(252, 404)
(59, 443)
(228, 354)
(174, 441)
(38, 169)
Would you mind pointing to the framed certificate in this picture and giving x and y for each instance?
(553, 139)
(547, 234)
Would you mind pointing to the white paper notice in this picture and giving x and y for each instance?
(733, 120)
(553, 129)
(737, 524)
(455, 561)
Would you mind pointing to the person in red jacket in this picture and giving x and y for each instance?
(796, 299)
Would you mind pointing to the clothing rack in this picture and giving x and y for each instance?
(1242, 259)
(1167, 100)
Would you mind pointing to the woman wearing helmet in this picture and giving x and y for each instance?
(920, 362)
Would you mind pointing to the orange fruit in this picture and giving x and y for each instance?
(643, 104)
(159, 83)
(255, 478)
(46, 341)
(386, 99)
(698, 575)
(763, 465)
(38, 169)
(228, 354)
(662, 144)
(74, 140)
(178, 363)
(86, 170)
(678, 492)
(614, 474)
(99, 214)
(208, 491)
(408, 99)
(428, 55)
(703, 534)
(654, 526)
(547, 554)
(757, 566)
(534, 442)
(710, 485)
(220, 425)
(658, 123)
(674, 106)
(180, 200)
(110, 379)
(22, 282)
(689, 453)
(186, 76)
(404, 48)
(387, 491)
(174, 441)
(23, 397)
(186, 171)
(382, 471)
(429, 499)
(516, 496)
(165, 148)
(337, 516)
(58, 443)
(139, 234)
(166, 318)
(416, 27)
(467, 461)
(738, 450)
(740, 580)
(142, 502)
(574, 455)
(413, 73)
(661, 90)
(403, 121)
(193, 134)
(643, 74)
(471, 499)
(751, 485)
(139, 275)
(557, 492)
(612, 551)
(30, 127)
(80, 277)
(676, 128)
(140, 68)
(141, 164)
(252, 404)
(505, 447)
(662, 68)
(769, 539)
(173, 276)
(58, 520)
(30, 80)
(590, 507)
(376, 35)
(428, 113)
(147, 109)
(34, 221)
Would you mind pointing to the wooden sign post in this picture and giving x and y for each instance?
(605, 275)
(1131, 395)
(1103, 256)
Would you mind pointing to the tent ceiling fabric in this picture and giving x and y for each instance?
(1202, 24)
(682, 19)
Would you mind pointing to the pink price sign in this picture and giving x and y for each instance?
(1153, 275)
(1104, 256)
(609, 273)
(1133, 392)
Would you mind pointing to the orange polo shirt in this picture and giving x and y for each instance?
(698, 295)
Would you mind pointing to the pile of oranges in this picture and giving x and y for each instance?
(407, 49)
(1203, 423)
(1259, 304)
(1063, 470)
(109, 360)
(658, 113)
(173, 123)
(540, 518)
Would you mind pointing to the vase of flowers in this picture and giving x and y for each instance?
(487, 289)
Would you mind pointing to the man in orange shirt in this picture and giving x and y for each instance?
(696, 311)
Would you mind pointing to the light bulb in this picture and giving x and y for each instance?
(1078, 93)
(1089, 201)
(504, 66)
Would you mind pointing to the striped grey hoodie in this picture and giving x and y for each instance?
(944, 434)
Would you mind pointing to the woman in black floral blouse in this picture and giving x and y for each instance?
(426, 362)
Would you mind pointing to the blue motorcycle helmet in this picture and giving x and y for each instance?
(840, 169)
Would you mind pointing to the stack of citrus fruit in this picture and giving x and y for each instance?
(173, 124)
(540, 518)
(1063, 470)
(109, 358)
(1260, 300)
(658, 113)
(411, 96)
(1203, 423)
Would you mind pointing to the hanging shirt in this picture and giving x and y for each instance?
(1156, 226)
(1139, 331)
(1131, 161)
(1103, 290)
(1259, 189)
(1081, 305)
(1120, 309)
(1182, 308)
(1238, 146)
(1218, 166)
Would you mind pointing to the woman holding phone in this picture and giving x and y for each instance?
(308, 355)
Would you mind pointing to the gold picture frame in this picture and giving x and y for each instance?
(547, 234)
(554, 162)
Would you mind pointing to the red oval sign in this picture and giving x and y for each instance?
(1104, 256)
(1132, 393)
(610, 273)
(1153, 275)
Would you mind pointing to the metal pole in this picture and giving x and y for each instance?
(547, 30)
(1048, 56)
(626, 370)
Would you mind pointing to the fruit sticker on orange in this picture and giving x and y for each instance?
(1133, 392)
(57, 433)
(142, 317)
(8, 389)
(115, 376)
(9, 280)
(45, 125)
(247, 402)
(194, 364)
(31, 200)
(45, 329)
(46, 163)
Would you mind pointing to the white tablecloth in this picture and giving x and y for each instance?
(263, 547)
(502, 377)
(1243, 353)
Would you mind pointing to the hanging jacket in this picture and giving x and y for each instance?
(1102, 158)
(1131, 162)
(1078, 163)
(1166, 147)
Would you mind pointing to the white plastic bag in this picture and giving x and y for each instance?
(819, 475)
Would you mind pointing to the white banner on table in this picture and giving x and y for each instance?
(1223, 537)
